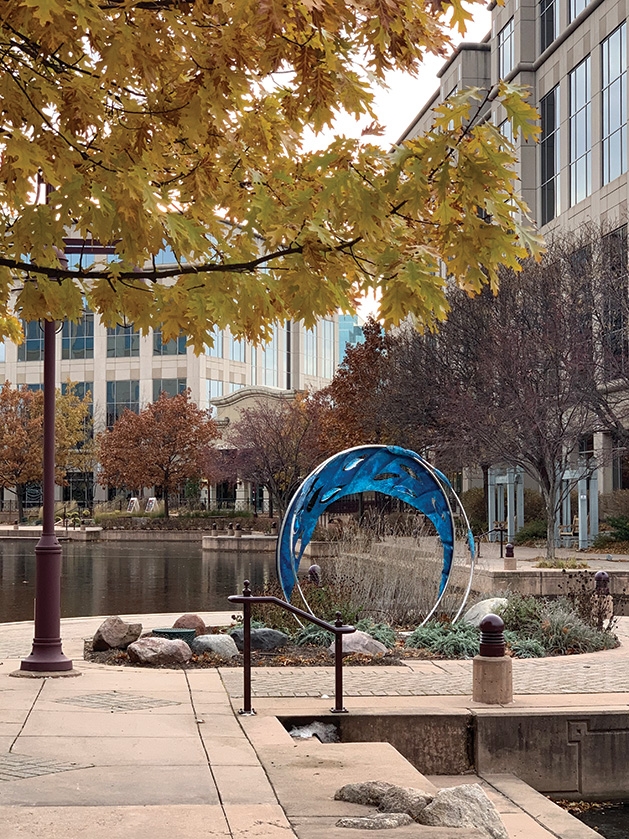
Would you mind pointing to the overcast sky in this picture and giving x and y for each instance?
(397, 106)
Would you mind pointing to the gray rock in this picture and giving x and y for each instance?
(405, 800)
(464, 806)
(360, 642)
(369, 792)
(222, 645)
(261, 639)
(476, 613)
(159, 652)
(381, 821)
(115, 634)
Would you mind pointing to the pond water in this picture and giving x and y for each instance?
(136, 578)
(611, 822)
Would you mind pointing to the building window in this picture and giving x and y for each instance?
(123, 342)
(234, 386)
(121, 396)
(310, 351)
(236, 349)
(580, 132)
(614, 134)
(214, 390)
(216, 350)
(506, 129)
(169, 386)
(32, 347)
(3, 352)
(77, 339)
(506, 48)
(176, 346)
(327, 348)
(615, 300)
(269, 361)
(576, 7)
(549, 155)
(548, 22)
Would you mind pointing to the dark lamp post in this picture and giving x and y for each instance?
(47, 655)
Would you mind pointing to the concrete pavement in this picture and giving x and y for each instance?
(125, 751)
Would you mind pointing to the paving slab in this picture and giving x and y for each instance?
(112, 822)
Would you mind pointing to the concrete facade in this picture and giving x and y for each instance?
(572, 55)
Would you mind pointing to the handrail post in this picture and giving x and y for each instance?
(246, 663)
(338, 669)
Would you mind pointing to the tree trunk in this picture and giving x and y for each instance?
(550, 498)
(19, 493)
(165, 498)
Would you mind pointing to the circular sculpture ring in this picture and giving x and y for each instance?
(391, 470)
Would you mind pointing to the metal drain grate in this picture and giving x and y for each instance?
(114, 701)
(18, 767)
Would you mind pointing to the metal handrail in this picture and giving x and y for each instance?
(338, 628)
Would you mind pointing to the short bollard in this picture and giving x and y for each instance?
(510, 562)
(492, 679)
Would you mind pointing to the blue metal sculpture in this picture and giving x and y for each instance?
(391, 470)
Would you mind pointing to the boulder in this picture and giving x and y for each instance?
(191, 622)
(369, 792)
(115, 634)
(222, 645)
(265, 640)
(465, 806)
(476, 613)
(381, 821)
(360, 642)
(160, 652)
(405, 800)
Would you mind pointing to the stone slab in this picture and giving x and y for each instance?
(112, 822)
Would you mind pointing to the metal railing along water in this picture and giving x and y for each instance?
(338, 628)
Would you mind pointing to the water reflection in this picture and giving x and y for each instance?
(140, 577)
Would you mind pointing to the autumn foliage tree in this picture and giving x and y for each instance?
(163, 446)
(21, 436)
(179, 125)
(278, 443)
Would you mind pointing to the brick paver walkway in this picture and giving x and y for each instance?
(606, 672)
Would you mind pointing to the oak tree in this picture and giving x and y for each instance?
(278, 443)
(162, 446)
(177, 126)
(21, 436)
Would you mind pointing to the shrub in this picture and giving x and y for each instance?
(459, 640)
(522, 615)
(571, 562)
(619, 528)
(314, 636)
(562, 631)
(614, 503)
(527, 648)
(475, 505)
(534, 506)
(380, 631)
(532, 531)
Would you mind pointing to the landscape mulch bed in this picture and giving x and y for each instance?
(290, 656)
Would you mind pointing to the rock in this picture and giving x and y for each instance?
(369, 792)
(464, 806)
(222, 645)
(405, 800)
(360, 642)
(191, 622)
(381, 821)
(159, 652)
(115, 634)
(476, 613)
(261, 639)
